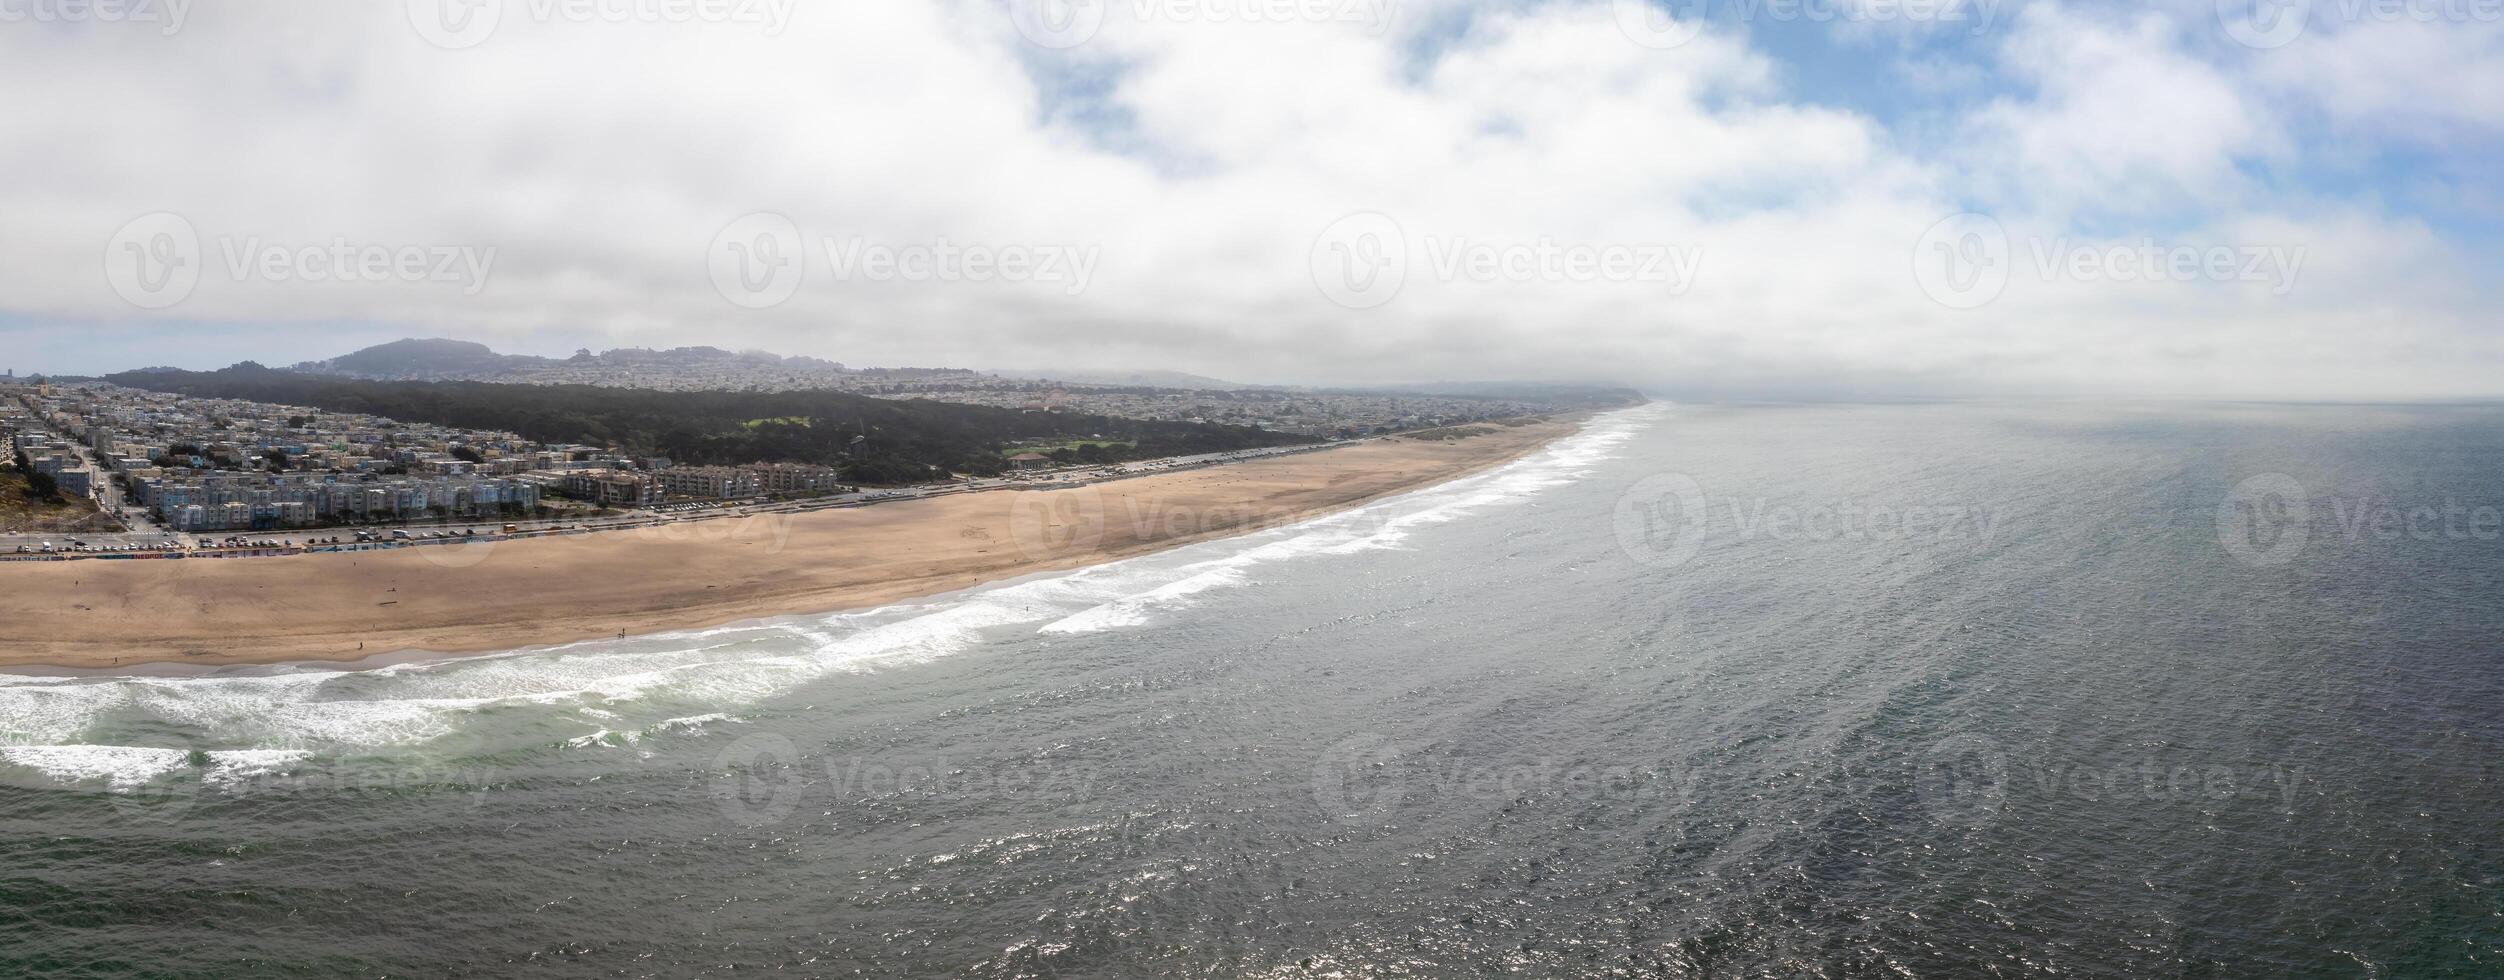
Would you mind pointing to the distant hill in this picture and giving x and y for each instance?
(440, 359)
(423, 359)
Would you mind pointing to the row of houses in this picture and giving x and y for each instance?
(54, 460)
(224, 501)
(221, 501)
(637, 488)
(132, 430)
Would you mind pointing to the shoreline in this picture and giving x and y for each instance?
(348, 611)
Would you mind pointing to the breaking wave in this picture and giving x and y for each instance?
(122, 732)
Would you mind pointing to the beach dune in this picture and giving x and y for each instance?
(496, 596)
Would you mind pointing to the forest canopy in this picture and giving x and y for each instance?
(874, 440)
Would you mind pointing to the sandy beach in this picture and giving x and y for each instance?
(470, 598)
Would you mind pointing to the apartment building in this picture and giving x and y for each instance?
(233, 501)
(608, 488)
(721, 482)
(796, 478)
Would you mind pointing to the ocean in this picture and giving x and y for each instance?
(1704, 691)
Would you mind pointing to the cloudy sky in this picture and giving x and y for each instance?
(1743, 198)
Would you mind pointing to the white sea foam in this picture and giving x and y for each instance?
(618, 686)
(116, 766)
(1134, 610)
(122, 768)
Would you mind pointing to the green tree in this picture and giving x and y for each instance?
(39, 486)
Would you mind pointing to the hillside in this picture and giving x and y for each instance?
(440, 359)
(425, 358)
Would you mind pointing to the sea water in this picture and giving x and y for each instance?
(1911, 690)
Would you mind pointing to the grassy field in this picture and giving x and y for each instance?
(799, 420)
(22, 514)
(1047, 447)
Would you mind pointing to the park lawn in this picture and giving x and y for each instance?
(1047, 448)
(798, 420)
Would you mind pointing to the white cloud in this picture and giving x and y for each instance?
(1200, 160)
(2428, 82)
(2120, 118)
